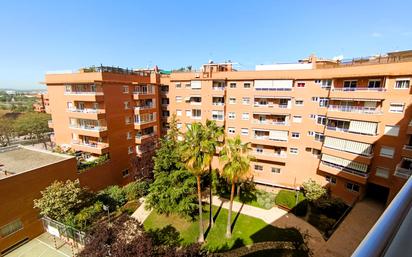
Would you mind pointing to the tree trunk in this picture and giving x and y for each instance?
(229, 216)
(238, 190)
(199, 195)
(211, 222)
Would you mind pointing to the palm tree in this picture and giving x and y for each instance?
(196, 161)
(212, 136)
(236, 167)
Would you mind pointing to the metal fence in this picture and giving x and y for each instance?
(68, 234)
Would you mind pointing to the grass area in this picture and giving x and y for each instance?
(287, 198)
(258, 198)
(246, 231)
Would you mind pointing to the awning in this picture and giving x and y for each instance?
(272, 97)
(355, 99)
(196, 84)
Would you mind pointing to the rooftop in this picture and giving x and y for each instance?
(19, 159)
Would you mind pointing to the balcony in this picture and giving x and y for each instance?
(88, 96)
(365, 159)
(344, 133)
(96, 148)
(344, 172)
(355, 112)
(137, 95)
(272, 108)
(86, 113)
(139, 139)
(89, 130)
(358, 92)
(407, 151)
(268, 124)
(142, 124)
(266, 140)
(402, 172)
(270, 156)
(144, 109)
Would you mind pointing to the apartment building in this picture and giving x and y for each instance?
(42, 103)
(107, 111)
(344, 124)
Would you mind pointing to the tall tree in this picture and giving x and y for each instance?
(196, 161)
(213, 136)
(33, 124)
(236, 167)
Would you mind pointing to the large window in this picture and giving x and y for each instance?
(217, 115)
(387, 152)
(402, 84)
(196, 114)
(350, 84)
(258, 167)
(374, 83)
(352, 187)
(396, 107)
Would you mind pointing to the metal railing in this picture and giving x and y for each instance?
(281, 106)
(145, 107)
(390, 235)
(355, 109)
(92, 145)
(279, 155)
(407, 147)
(273, 89)
(346, 169)
(86, 110)
(402, 172)
(88, 127)
(83, 93)
(376, 89)
(284, 123)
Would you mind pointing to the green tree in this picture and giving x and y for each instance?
(6, 130)
(313, 191)
(174, 188)
(196, 161)
(213, 136)
(236, 167)
(61, 199)
(33, 124)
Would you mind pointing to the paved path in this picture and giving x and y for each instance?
(141, 213)
(278, 218)
(352, 230)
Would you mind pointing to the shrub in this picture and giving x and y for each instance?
(87, 215)
(332, 207)
(313, 191)
(136, 189)
(301, 208)
(287, 198)
(113, 196)
(322, 222)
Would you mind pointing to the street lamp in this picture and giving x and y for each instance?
(106, 208)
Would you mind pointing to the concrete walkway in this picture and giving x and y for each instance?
(352, 230)
(276, 217)
(141, 213)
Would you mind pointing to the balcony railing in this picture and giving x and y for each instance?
(269, 138)
(346, 169)
(145, 107)
(281, 106)
(83, 93)
(346, 130)
(93, 145)
(149, 92)
(88, 127)
(278, 155)
(141, 137)
(355, 109)
(390, 234)
(141, 122)
(273, 89)
(284, 123)
(84, 110)
(377, 89)
(218, 103)
(218, 88)
(407, 147)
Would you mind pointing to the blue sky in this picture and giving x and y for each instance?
(37, 36)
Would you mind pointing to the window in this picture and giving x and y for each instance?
(125, 89)
(178, 85)
(299, 102)
(387, 152)
(188, 113)
(259, 149)
(126, 105)
(245, 116)
(130, 150)
(178, 99)
(245, 100)
(319, 137)
(246, 85)
(128, 120)
(382, 172)
(352, 187)
(374, 83)
(231, 130)
(217, 115)
(391, 130)
(178, 112)
(294, 150)
(311, 133)
(232, 85)
(295, 135)
(125, 173)
(275, 170)
(317, 81)
(300, 84)
(10, 228)
(258, 167)
(232, 100)
(321, 120)
(312, 116)
(244, 131)
(297, 119)
(187, 85)
(316, 153)
(165, 113)
(231, 115)
(196, 114)
(350, 84)
(331, 180)
(315, 99)
(179, 125)
(326, 83)
(129, 135)
(165, 101)
(323, 102)
(402, 84)
(396, 107)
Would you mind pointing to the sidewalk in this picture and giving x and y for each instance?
(141, 213)
(276, 217)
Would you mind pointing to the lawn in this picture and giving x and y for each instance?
(247, 230)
